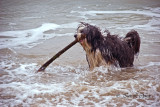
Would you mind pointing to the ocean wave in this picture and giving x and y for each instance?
(152, 25)
(32, 37)
(139, 12)
(98, 88)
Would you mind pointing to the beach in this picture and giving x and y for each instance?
(31, 32)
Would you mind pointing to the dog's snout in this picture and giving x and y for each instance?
(75, 35)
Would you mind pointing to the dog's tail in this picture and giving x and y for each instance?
(133, 40)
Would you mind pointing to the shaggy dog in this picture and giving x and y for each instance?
(102, 48)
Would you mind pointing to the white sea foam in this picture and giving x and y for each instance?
(156, 10)
(139, 12)
(21, 86)
(26, 91)
(31, 37)
(25, 87)
(153, 64)
(150, 64)
(25, 37)
(152, 25)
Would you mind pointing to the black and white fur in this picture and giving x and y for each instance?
(107, 49)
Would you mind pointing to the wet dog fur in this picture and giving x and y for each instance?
(102, 48)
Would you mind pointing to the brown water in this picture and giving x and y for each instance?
(32, 31)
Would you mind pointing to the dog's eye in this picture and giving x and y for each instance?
(81, 31)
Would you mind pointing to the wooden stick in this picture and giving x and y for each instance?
(44, 66)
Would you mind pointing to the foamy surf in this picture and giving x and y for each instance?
(32, 37)
(82, 88)
(25, 37)
(48, 26)
(152, 25)
(139, 12)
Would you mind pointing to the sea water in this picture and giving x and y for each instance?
(31, 32)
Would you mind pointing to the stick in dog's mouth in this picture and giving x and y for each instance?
(44, 66)
(80, 38)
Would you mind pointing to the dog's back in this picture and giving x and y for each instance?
(120, 52)
(108, 49)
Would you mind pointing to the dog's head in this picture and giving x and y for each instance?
(91, 36)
